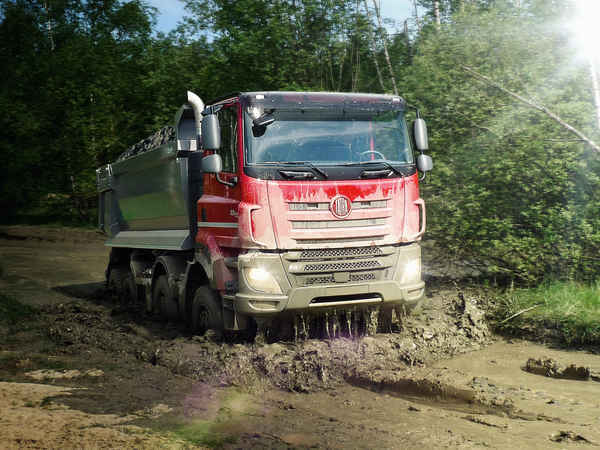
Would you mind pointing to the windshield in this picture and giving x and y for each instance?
(328, 137)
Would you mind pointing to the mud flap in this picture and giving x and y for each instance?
(232, 320)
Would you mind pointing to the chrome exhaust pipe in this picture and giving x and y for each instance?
(198, 107)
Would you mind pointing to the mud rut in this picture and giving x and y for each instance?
(361, 368)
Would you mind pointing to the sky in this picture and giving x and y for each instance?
(171, 11)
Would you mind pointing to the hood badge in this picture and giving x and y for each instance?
(340, 206)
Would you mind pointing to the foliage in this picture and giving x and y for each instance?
(282, 45)
(573, 309)
(69, 92)
(512, 191)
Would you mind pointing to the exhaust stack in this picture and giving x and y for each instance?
(198, 107)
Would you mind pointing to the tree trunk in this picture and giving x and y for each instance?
(417, 16)
(595, 89)
(436, 13)
(534, 105)
(374, 47)
(385, 49)
(49, 27)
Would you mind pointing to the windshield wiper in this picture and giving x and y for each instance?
(307, 164)
(376, 161)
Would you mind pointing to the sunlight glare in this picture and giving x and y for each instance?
(586, 27)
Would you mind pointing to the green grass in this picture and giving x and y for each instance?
(12, 311)
(217, 432)
(568, 310)
(203, 433)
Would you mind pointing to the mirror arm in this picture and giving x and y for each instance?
(423, 174)
(232, 183)
(417, 111)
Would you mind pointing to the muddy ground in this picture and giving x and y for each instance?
(81, 372)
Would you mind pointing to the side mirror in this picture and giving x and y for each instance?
(260, 124)
(212, 163)
(420, 133)
(424, 163)
(211, 132)
(264, 120)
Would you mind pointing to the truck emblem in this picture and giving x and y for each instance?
(340, 206)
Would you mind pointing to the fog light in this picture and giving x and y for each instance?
(411, 272)
(261, 280)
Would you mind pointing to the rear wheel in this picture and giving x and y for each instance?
(163, 299)
(207, 313)
(121, 287)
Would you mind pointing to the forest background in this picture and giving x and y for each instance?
(513, 192)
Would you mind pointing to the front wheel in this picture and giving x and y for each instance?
(207, 312)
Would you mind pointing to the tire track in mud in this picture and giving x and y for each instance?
(447, 396)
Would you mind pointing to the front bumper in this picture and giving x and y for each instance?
(385, 280)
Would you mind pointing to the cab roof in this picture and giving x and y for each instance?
(295, 100)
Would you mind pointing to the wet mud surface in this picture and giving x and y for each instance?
(110, 373)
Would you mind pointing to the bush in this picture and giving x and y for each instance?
(567, 309)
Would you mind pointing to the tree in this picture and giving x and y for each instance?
(69, 91)
(284, 44)
(516, 191)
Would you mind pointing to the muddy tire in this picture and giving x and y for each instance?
(163, 300)
(121, 287)
(207, 312)
(130, 290)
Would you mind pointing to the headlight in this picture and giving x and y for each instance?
(261, 280)
(411, 272)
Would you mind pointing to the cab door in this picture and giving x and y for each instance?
(218, 206)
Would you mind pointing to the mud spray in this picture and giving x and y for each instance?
(333, 324)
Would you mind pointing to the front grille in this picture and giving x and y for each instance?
(342, 266)
(329, 279)
(326, 266)
(337, 241)
(357, 252)
(358, 277)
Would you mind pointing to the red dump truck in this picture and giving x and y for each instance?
(263, 204)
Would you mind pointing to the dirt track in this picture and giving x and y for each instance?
(84, 373)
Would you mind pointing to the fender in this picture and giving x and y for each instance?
(209, 256)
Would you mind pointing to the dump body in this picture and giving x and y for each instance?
(307, 201)
(147, 198)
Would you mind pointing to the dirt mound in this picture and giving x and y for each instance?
(68, 235)
(449, 323)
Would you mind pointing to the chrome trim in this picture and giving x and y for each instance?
(324, 206)
(346, 302)
(155, 239)
(217, 225)
(328, 224)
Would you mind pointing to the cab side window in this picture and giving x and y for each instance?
(228, 150)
